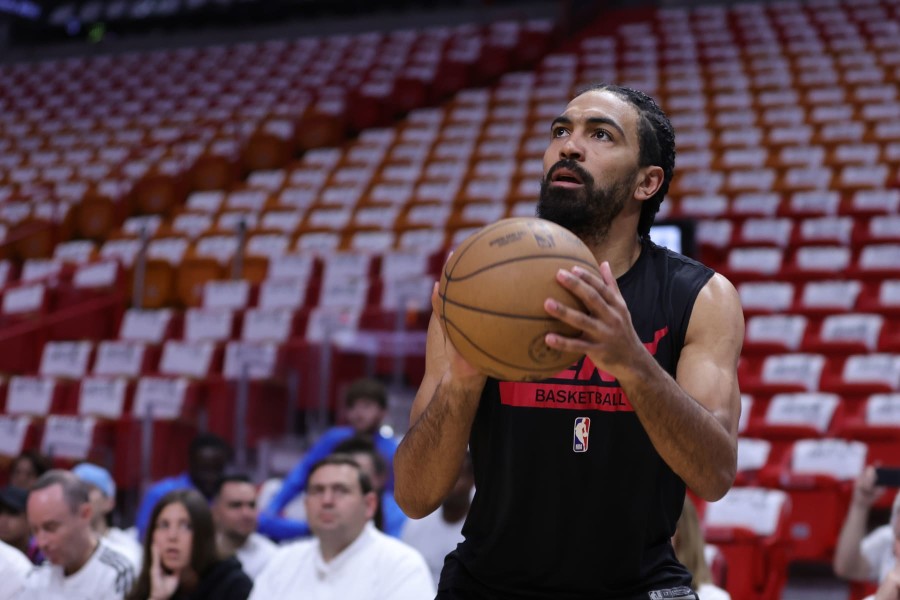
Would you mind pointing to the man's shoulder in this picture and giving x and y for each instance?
(881, 534)
(295, 550)
(113, 563)
(392, 549)
(257, 542)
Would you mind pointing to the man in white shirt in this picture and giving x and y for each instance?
(14, 568)
(347, 557)
(234, 514)
(437, 535)
(102, 495)
(79, 566)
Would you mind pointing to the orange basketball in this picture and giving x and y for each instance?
(492, 295)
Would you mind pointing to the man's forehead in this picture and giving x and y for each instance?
(332, 474)
(238, 489)
(601, 103)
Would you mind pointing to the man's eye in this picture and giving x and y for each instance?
(601, 134)
(559, 131)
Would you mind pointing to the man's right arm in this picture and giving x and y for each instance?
(430, 456)
(849, 561)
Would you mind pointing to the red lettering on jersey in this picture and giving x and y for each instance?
(588, 368)
(578, 397)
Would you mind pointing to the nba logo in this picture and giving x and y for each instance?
(582, 429)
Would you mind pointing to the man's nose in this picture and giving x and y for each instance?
(571, 149)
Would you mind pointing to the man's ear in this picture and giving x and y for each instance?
(86, 511)
(651, 179)
(371, 500)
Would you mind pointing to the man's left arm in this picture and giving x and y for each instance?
(691, 419)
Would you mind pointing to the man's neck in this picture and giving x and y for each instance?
(100, 528)
(90, 547)
(330, 549)
(230, 542)
(620, 251)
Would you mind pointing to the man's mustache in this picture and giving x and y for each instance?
(569, 165)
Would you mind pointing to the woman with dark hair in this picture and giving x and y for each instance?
(180, 558)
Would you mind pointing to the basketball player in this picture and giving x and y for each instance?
(562, 518)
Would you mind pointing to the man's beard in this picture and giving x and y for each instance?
(586, 211)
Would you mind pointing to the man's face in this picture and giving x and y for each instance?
(591, 165)
(207, 467)
(13, 527)
(336, 507)
(60, 533)
(365, 415)
(234, 510)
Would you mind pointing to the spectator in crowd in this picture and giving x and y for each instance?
(79, 564)
(861, 557)
(102, 494)
(348, 557)
(208, 456)
(14, 568)
(26, 468)
(181, 561)
(234, 514)
(690, 551)
(388, 516)
(438, 534)
(14, 529)
(365, 409)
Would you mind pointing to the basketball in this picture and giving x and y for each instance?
(492, 294)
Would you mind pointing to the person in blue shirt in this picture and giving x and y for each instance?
(365, 409)
(208, 456)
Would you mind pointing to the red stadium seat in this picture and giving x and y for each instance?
(818, 475)
(750, 526)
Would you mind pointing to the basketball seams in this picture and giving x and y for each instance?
(529, 361)
(575, 259)
(484, 353)
(493, 313)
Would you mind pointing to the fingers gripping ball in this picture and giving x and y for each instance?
(492, 295)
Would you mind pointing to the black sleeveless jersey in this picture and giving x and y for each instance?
(572, 501)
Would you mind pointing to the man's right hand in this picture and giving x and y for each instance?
(865, 492)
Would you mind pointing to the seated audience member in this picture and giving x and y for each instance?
(14, 529)
(389, 518)
(437, 535)
(79, 565)
(26, 468)
(347, 557)
(14, 568)
(234, 515)
(365, 409)
(208, 456)
(689, 549)
(861, 557)
(181, 561)
(102, 494)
